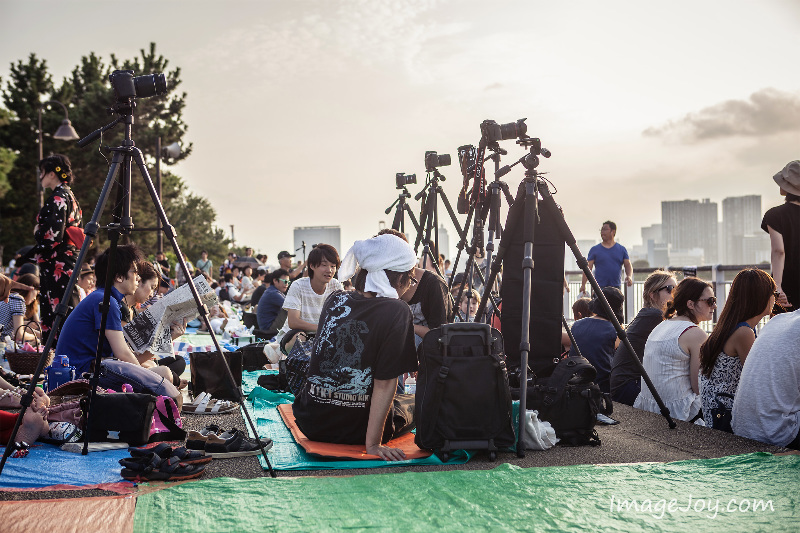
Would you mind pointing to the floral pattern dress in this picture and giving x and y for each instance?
(54, 251)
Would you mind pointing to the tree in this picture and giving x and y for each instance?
(88, 94)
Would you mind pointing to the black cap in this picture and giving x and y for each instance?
(284, 254)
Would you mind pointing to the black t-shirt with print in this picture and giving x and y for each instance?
(359, 339)
(434, 300)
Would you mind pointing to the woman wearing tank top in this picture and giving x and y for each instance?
(672, 352)
(722, 355)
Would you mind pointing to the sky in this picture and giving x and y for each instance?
(302, 112)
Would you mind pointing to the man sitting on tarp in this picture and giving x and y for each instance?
(78, 339)
(364, 342)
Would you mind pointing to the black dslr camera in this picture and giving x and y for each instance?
(433, 160)
(401, 179)
(491, 131)
(127, 86)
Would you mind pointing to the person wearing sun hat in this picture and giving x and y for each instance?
(56, 248)
(365, 341)
(783, 225)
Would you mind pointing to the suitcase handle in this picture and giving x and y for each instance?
(457, 329)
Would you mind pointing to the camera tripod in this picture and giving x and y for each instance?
(120, 164)
(399, 222)
(525, 210)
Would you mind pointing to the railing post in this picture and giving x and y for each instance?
(718, 279)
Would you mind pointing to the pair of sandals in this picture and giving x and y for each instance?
(205, 404)
(163, 463)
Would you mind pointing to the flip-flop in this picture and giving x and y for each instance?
(165, 451)
(205, 404)
(154, 468)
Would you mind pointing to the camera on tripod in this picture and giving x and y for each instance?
(127, 86)
(433, 160)
(402, 179)
(491, 131)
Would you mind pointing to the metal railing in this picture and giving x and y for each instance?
(720, 276)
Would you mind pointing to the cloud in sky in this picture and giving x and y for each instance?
(767, 111)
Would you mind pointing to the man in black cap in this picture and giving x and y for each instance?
(285, 260)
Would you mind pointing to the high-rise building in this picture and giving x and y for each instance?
(444, 242)
(741, 216)
(313, 235)
(690, 224)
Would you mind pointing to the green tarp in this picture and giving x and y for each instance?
(756, 492)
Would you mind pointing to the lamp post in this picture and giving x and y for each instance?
(173, 151)
(65, 132)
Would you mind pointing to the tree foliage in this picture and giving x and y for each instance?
(87, 93)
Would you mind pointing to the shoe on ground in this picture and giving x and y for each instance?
(165, 451)
(196, 440)
(155, 468)
(233, 443)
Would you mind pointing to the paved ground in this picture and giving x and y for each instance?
(639, 437)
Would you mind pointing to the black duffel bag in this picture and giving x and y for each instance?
(570, 400)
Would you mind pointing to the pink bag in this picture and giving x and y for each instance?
(167, 423)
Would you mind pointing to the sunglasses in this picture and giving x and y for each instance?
(711, 302)
(668, 288)
(284, 281)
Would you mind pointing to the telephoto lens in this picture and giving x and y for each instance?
(150, 85)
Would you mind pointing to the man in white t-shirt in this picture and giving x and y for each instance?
(306, 296)
(767, 403)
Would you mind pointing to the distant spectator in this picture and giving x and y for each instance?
(596, 336)
(723, 354)
(608, 258)
(161, 259)
(580, 309)
(767, 405)
(672, 352)
(86, 281)
(470, 300)
(783, 225)
(205, 264)
(285, 260)
(260, 280)
(625, 373)
(271, 303)
(20, 308)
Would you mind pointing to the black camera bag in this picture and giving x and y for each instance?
(463, 400)
(570, 400)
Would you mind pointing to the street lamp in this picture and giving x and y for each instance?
(65, 132)
(173, 151)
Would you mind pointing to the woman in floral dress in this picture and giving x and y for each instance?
(56, 250)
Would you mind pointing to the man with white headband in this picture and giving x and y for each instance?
(365, 340)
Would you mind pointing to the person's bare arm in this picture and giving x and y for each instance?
(120, 348)
(778, 260)
(740, 343)
(295, 322)
(690, 341)
(421, 330)
(584, 279)
(382, 395)
(626, 263)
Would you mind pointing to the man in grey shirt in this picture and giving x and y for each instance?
(767, 404)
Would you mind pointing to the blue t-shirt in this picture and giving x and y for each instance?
(608, 264)
(269, 306)
(78, 338)
(595, 338)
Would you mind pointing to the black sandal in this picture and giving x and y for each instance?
(153, 468)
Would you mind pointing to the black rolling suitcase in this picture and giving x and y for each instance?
(463, 400)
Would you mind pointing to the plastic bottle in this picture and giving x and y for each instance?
(411, 385)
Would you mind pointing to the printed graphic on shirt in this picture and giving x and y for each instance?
(341, 380)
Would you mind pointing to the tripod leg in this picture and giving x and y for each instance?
(583, 264)
(61, 309)
(201, 308)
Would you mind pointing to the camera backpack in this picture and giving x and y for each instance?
(570, 400)
(462, 399)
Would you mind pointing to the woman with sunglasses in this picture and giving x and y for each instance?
(722, 355)
(672, 352)
(625, 374)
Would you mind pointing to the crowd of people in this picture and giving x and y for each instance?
(370, 311)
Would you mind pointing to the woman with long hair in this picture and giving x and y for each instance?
(625, 374)
(722, 355)
(56, 249)
(672, 352)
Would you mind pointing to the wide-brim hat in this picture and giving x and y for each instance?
(86, 269)
(788, 179)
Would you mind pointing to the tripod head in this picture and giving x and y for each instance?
(402, 195)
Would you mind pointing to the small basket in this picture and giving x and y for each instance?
(25, 362)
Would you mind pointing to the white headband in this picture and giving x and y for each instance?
(375, 255)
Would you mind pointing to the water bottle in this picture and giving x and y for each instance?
(58, 373)
(411, 385)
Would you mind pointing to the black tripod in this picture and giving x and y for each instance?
(121, 162)
(526, 207)
(399, 222)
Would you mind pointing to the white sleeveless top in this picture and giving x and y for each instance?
(668, 367)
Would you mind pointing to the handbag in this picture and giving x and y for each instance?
(167, 423)
(208, 374)
(122, 417)
(23, 357)
(295, 366)
(722, 415)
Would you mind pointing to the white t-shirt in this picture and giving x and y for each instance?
(302, 297)
(766, 407)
